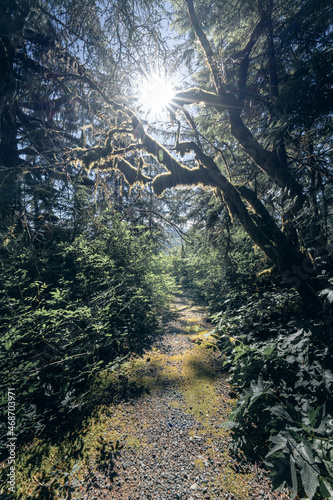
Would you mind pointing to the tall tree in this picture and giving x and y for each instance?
(248, 70)
(49, 102)
(246, 134)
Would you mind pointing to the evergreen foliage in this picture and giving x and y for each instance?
(82, 281)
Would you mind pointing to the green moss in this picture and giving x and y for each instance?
(194, 373)
(199, 463)
(133, 442)
(175, 404)
(51, 466)
(235, 483)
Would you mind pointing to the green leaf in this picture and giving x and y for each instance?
(268, 350)
(286, 412)
(316, 415)
(257, 388)
(309, 471)
(280, 411)
(326, 488)
(293, 485)
(328, 379)
(329, 294)
(280, 443)
(284, 471)
(8, 345)
(273, 457)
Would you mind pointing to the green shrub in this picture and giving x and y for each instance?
(281, 372)
(71, 309)
(214, 272)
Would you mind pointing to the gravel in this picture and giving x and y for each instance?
(175, 460)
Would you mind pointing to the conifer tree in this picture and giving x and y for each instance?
(68, 108)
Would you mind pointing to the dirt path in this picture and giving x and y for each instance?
(174, 445)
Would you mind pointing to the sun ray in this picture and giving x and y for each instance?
(155, 94)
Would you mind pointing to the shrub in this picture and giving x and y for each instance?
(71, 309)
(281, 372)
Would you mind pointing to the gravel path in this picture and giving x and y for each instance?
(174, 445)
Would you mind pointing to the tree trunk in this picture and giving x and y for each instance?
(9, 159)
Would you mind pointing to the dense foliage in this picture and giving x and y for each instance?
(82, 284)
(279, 363)
(281, 372)
(82, 281)
(71, 309)
(214, 273)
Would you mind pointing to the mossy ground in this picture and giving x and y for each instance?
(54, 470)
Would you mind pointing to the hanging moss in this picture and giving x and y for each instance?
(131, 174)
(181, 176)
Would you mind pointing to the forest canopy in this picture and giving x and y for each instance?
(249, 118)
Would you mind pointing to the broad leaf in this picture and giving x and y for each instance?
(326, 488)
(309, 470)
(316, 415)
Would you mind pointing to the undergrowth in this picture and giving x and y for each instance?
(72, 311)
(280, 369)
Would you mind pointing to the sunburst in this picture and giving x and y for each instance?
(155, 94)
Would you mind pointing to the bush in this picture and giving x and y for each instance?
(281, 372)
(70, 310)
(214, 272)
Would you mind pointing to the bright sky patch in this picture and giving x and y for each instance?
(155, 94)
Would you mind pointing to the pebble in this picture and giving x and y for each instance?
(165, 466)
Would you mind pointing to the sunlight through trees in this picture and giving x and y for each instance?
(144, 143)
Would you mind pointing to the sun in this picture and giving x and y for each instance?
(155, 94)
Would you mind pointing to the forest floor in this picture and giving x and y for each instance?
(173, 443)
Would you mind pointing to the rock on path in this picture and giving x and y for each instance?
(174, 446)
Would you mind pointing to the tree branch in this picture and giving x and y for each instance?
(198, 96)
(179, 231)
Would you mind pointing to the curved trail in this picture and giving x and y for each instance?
(174, 444)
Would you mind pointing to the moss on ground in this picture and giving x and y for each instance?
(58, 468)
(53, 470)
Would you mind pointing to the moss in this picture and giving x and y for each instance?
(194, 373)
(47, 466)
(199, 463)
(133, 442)
(235, 483)
(175, 404)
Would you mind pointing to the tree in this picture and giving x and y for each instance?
(49, 105)
(248, 135)
(258, 120)
(262, 126)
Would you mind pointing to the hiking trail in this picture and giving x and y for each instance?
(174, 442)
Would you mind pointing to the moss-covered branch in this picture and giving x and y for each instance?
(268, 161)
(131, 174)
